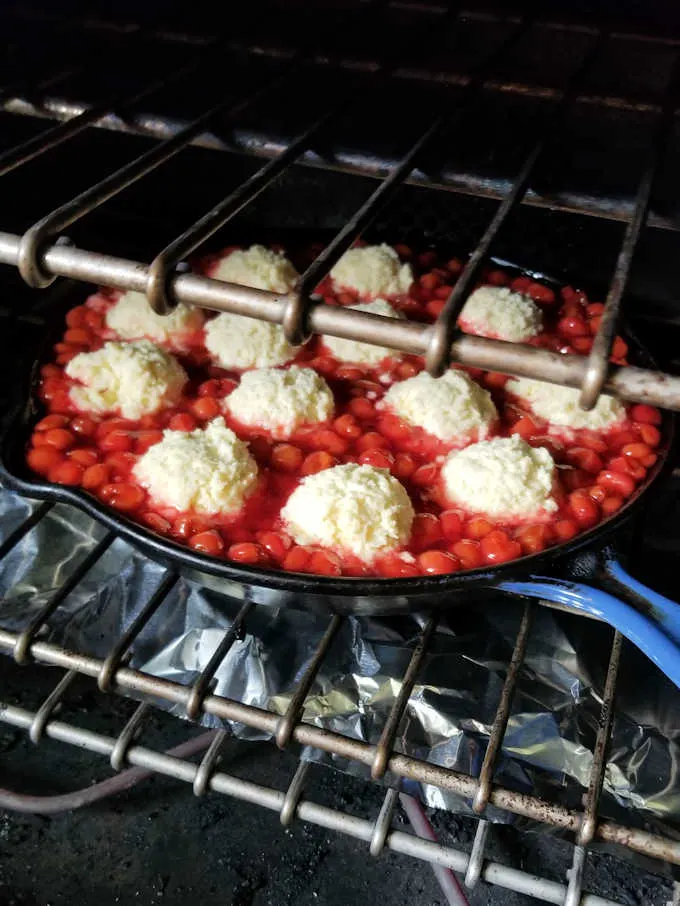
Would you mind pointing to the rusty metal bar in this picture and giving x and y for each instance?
(295, 320)
(385, 745)
(635, 384)
(134, 682)
(598, 358)
(26, 637)
(500, 722)
(587, 829)
(118, 653)
(588, 825)
(308, 810)
(20, 531)
(167, 260)
(204, 682)
(67, 214)
(286, 723)
(151, 126)
(444, 329)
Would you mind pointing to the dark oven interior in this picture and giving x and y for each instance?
(545, 719)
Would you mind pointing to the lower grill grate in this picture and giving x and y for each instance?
(196, 698)
(294, 803)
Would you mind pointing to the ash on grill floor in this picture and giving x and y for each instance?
(157, 844)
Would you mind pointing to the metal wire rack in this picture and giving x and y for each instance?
(113, 675)
(42, 252)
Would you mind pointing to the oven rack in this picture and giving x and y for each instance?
(292, 804)
(43, 252)
(113, 675)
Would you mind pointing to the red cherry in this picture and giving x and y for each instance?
(123, 496)
(498, 547)
(51, 421)
(616, 482)
(286, 458)
(468, 552)
(438, 562)
(452, 525)
(43, 459)
(645, 414)
(208, 542)
(95, 476)
(584, 509)
(66, 472)
(59, 438)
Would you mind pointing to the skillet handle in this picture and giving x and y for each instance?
(649, 620)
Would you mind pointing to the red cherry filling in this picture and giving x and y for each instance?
(597, 473)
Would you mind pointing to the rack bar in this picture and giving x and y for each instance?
(444, 329)
(476, 863)
(383, 822)
(635, 384)
(26, 637)
(295, 320)
(308, 811)
(70, 212)
(136, 683)
(598, 358)
(208, 764)
(294, 794)
(575, 877)
(49, 706)
(127, 736)
(118, 653)
(591, 799)
(168, 259)
(286, 723)
(586, 831)
(205, 680)
(150, 126)
(52, 138)
(50, 78)
(386, 742)
(20, 531)
(84, 203)
(500, 722)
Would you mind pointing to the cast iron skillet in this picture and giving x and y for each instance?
(558, 574)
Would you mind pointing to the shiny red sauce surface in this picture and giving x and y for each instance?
(596, 471)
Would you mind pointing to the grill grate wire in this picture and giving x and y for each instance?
(43, 252)
(113, 675)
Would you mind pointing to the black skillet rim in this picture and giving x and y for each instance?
(16, 431)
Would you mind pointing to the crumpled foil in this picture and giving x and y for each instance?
(548, 747)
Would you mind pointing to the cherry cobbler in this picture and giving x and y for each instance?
(336, 457)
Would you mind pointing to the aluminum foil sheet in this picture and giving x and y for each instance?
(549, 742)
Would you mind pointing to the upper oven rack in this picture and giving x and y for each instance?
(43, 252)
